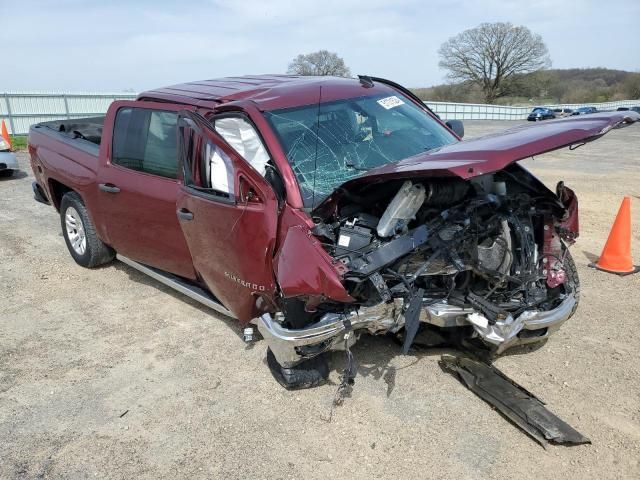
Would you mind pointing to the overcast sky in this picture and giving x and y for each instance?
(115, 45)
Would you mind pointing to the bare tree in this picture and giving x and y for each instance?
(321, 62)
(491, 54)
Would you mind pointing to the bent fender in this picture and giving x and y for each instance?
(302, 266)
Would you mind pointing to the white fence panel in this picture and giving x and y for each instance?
(22, 109)
(479, 111)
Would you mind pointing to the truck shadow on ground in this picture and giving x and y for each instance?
(139, 277)
(374, 354)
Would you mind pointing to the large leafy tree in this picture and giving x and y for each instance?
(321, 62)
(491, 54)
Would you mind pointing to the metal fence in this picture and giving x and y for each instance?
(22, 109)
(479, 111)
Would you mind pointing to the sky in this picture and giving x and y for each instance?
(74, 45)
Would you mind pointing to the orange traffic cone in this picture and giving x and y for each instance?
(5, 135)
(616, 254)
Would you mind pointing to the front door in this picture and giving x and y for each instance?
(228, 213)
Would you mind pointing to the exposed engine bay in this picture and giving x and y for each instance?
(487, 256)
(486, 250)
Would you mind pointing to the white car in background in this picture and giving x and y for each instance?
(562, 112)
(8, 160)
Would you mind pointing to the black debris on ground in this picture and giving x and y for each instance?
(512, 401)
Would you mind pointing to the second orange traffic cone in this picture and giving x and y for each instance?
(616, 254)
(5, 135)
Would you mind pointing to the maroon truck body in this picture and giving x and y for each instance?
(257, 249)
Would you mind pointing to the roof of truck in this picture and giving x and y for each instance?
(267, 91)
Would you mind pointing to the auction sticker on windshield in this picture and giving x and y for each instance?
(390, 102)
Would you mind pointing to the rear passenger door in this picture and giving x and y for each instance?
(138, 187)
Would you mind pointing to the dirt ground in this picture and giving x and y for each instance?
(106, 374)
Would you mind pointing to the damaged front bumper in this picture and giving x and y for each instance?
(530, 326)
(291, 347)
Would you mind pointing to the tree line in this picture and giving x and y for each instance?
(575, 85)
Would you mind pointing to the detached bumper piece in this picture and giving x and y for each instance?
(514, 402)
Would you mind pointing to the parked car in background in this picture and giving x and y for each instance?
(540, 113)
(8, 160)
(635, 109)
(562, 112)
(584, 110)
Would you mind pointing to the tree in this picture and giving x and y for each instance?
(491, 54)
(321, 62)
(631, 86)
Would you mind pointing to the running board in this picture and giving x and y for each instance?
(178, 284)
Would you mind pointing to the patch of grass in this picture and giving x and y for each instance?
(19, 142)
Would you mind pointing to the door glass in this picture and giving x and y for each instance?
(218, 168)
(146, 140)
(206, 166)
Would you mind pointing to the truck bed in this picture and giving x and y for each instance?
(66, 152)
(81, 132)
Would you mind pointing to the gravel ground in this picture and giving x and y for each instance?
(106, 374)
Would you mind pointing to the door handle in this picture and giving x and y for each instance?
(108, 187)
(184, 214)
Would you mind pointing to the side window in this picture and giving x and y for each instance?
(244, 139)
(218, 169)
(146, 140)
(207, 166)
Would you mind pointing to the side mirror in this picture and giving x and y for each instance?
(456, 127)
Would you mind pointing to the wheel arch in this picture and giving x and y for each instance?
(57, 190)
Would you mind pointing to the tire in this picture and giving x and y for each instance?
(6, 173)
(308, 374)
(572, 277)
(80, 234)
(572, 285)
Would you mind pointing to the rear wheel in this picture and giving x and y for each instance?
(6, 173)
(80, 235)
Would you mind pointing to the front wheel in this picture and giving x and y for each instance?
(80, 234)
(573, 279)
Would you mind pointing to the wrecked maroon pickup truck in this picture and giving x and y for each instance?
(322, 208)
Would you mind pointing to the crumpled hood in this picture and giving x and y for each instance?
(494, 152)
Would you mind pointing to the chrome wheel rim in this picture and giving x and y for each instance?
(75, 231)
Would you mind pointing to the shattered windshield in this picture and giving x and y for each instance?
(330, 143)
